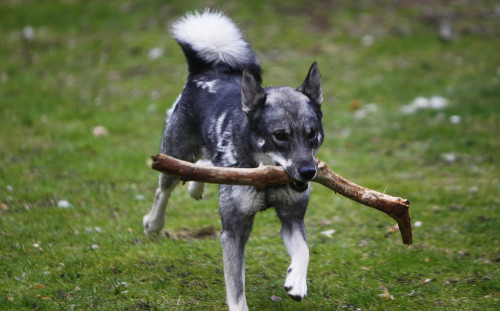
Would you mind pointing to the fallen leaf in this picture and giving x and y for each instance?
(392, 229)
(385, 295)
(42, 297)
(328, 233)
(355, 104)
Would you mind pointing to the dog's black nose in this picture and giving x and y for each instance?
(307, 172)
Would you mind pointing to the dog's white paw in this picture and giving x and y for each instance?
(152, 225)
(296, 284)
(196, 189)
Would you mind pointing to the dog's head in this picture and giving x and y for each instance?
(286, 124)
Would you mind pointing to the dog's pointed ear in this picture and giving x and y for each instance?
(311, 86)
(252, 94)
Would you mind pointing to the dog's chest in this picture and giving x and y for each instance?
(250, 201)
(283, 196)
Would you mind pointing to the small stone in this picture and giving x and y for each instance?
(99, 131)
(63, 204)
(155, 53)
(29, 33)
(363, 243)
(449, 157)
(275, 298)
(455, 119)
(367, 40)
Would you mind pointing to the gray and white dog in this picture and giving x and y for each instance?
(225, 115)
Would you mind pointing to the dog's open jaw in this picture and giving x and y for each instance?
(299, 186)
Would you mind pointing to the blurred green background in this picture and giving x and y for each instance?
(411, 108)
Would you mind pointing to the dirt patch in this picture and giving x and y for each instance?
(208, 232)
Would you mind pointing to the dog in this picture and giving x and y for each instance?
(225, 118)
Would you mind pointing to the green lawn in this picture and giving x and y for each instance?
(72, 201)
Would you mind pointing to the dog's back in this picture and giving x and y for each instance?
(217, 54)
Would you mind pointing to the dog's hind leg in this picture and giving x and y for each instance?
(196, 188)
(293, 233)
(155, 220)
(180, 140)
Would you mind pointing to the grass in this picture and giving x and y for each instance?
(88, 66)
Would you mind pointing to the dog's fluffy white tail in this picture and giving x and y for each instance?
(211, 38)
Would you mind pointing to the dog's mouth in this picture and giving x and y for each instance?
(299, 186)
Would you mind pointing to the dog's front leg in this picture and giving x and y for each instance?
(234, 269)
(293, 234)
(236, 228)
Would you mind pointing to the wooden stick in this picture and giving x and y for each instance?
(265, 176)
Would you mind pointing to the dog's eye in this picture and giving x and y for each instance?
(280, 135)
(312, 134)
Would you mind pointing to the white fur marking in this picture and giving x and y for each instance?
(171, 109)
(207, 85)
(286, 163)
(296, 279)
(214, 37)
(240, 306)
(224, 136)
(261, 142)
